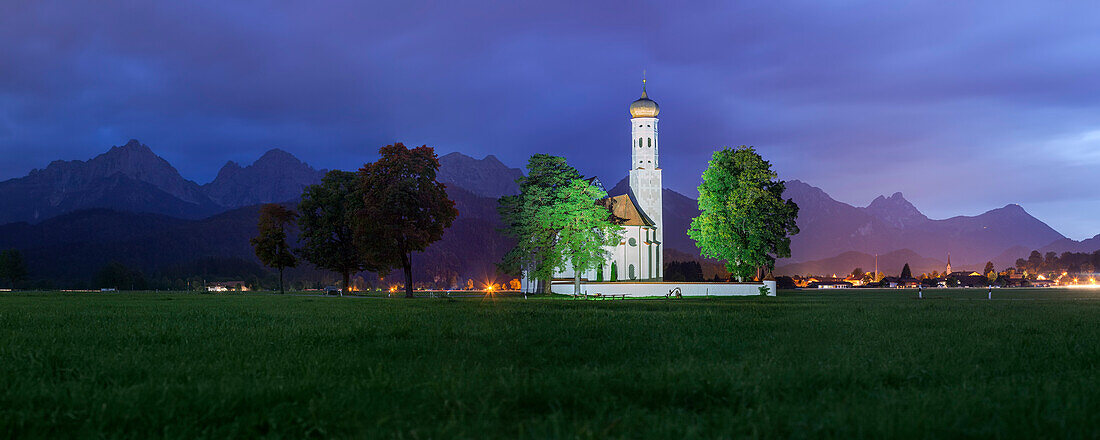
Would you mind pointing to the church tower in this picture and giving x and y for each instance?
(645, 173)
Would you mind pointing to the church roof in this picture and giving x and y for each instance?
(623, 207)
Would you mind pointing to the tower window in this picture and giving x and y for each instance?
(649, 141)
(639, 142)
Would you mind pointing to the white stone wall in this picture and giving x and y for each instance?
(639, 290)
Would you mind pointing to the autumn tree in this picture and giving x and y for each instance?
(743, 218)
(404, 209)
(12, 266)
(270, 245)
(326, 217)
(989, 272)
(524, 216)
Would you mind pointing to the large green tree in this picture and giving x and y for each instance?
(906, 273)
(12, 266)
(525, 218)
(326, 218)
(270, 245)
(404, 209)
(743, 218)
(583, 228)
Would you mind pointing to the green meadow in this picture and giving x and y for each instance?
(804, 364)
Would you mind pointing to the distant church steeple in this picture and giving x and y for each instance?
(948, 263)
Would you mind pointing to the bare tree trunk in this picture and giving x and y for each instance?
(576, 281)
(406, 261)
(281, 290)
(347, 281)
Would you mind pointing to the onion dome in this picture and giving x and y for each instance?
(644, 107)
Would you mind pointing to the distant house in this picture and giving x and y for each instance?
(828, 283)
(897, 282)
(226, 286)
(969, 279)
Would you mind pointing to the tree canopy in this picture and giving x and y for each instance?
(270, 245)
(583, 228)
(743, 218)
(404, 208)
(906, 273)
(326, 217)
(12, 266)
(524, 216)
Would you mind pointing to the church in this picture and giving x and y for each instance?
(637, 257)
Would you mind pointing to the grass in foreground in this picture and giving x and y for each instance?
(850, 364)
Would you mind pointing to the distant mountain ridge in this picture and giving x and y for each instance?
(277, 176)
(128, 177)
(890, 224)
(486, 177)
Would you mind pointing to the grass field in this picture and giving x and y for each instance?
(834, 364)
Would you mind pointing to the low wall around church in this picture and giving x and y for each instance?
(644, 289)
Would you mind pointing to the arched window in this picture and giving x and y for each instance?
(639, 142)
(632, 274)
(650, 142)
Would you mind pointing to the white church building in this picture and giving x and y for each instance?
(637, 257)
(635, 265)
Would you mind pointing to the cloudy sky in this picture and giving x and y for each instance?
(962, 106)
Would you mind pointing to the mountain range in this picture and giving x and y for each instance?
(130, 205)
(132, 178)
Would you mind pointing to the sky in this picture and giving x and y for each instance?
(961, 106)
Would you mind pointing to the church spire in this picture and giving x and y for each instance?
(644, 95)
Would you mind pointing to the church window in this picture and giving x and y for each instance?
(633, 242)
(649, 253)
(639, 142)
(632, 274)
(650, 142)
(658, 258)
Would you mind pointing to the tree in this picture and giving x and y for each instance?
(857, 272)
(270, 245)
(743, 218)
(12, 266)
(404, 210)
(524, 218)
(905, 272)
(116, 275)
(325, 220)
(989, 271)
(583, 228)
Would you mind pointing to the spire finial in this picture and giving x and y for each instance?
(644, 95)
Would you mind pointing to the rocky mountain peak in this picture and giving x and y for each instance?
(487, 177)
(895, 211)
(277, 176)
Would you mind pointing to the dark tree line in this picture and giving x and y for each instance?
(373, 219)
(683, 271)
(1067, 262)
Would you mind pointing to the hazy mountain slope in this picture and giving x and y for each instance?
(486, 177)
(75, 246)
(277, 176)
(829, 227)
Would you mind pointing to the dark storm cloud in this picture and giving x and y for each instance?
(963, 107)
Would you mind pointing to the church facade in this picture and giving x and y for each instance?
(637, 256)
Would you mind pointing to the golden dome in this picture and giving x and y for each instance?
(644, 107)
